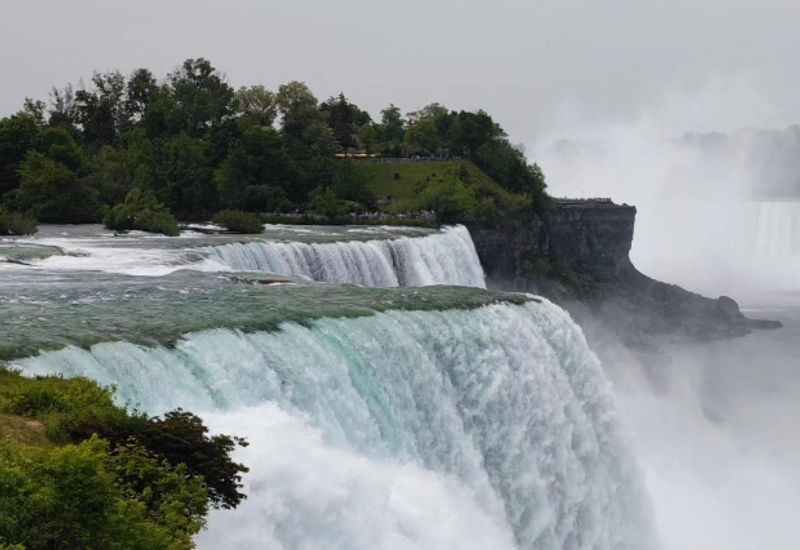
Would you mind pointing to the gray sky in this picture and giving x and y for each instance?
(542, 67)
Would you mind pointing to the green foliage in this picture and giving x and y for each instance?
(54, 193)
(73, 498)
(451, 200)
(201, 99)
(239, 222)
(345, 120)
(417, 186)
(186, 182)
(257, 105)
(325, 202)
(18, 135)
(171, 463)
(256, 173)
(199, 147)
(353, 185)
(16, 223)
(63, 405)
(141, 210)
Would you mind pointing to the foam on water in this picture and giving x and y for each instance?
(489, 428)
(448, 257)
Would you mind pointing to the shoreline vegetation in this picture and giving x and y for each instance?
(137, 152)
(79, 472)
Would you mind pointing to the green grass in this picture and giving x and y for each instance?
(400, 186)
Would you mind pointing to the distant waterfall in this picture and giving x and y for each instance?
(448, 257)
(778, 230)
(492, 428)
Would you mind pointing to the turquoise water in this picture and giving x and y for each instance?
(430, 415)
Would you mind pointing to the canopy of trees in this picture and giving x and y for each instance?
(194, 145)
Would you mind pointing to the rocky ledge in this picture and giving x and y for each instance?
(577, 254)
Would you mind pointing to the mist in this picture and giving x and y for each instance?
(717, 191)
(717, 439)
(718, 201)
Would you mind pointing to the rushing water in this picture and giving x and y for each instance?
(505, 405)
(448, 257)
(380, 418)
(368, 256)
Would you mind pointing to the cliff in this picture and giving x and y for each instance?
(577, 254)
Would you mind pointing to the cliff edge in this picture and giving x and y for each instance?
(577, 254)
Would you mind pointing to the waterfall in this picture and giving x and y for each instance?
(448, 257)
(471, 429)
(775, 262)
(778, 230)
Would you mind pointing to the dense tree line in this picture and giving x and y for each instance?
(191, 145)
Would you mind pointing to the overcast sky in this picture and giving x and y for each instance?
(542, 67)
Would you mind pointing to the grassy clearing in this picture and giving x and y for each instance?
(406, 187)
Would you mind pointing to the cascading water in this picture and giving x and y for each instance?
(778, 231)
(448, 257)
(486, 428)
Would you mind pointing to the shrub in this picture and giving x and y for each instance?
(450, 200)
(140, 481)
(82, 497)
(141, 210)
(325, 202)
(16, 223)
(179, 437)
(239, 222)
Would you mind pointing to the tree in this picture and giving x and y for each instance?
(62, 107)
(187, 183)
(393, 125)
(101, 111)
(324, 202)
(18, 134)
(469, 131)
(352, 185)
(309, 141)
(257, 105)
(345, 120)
(54, 193)
(256, 172)
(450, 200)
(298, 109)
(111, 174)
(427, 132)
(203, 99)
(141, 90)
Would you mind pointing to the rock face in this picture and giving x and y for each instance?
(577, 254)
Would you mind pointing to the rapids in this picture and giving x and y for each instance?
(448, 257)
(487, 428)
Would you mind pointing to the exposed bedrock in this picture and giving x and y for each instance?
(577, 254)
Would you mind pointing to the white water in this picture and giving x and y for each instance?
(448, 257)
(778, 232)
(492, 428)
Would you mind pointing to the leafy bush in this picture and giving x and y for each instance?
(325, 202)
(15, 223)
(450, 200)
(85, 497)
(239, 222)
(141, 210)
(77, 409)
(179, 437)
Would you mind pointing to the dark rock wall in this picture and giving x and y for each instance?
(577, 254)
